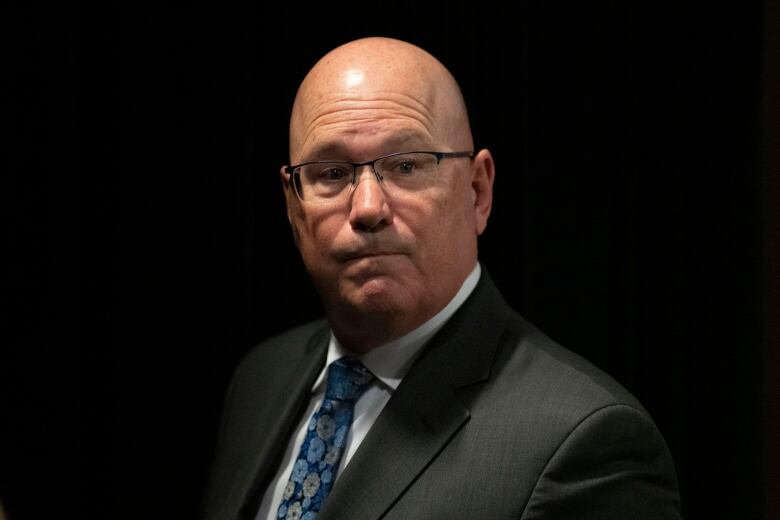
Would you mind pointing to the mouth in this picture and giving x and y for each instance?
(355, 256)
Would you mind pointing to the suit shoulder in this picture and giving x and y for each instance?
(564, 377)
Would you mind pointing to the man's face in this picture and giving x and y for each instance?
(377, 253)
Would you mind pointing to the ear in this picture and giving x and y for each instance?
(291, 201)
(483, 172)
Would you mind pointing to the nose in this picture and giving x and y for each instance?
(369, 205)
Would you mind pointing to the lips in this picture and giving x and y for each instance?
(357, 255)
(373, 246)
(357, 251)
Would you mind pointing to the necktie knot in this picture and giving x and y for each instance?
(347, 380)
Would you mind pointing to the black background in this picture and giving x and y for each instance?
(148, 247)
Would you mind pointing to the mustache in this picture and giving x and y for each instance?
(361, 248)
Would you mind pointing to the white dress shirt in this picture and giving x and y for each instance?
(389, 363)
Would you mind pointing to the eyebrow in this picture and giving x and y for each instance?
(338, 150)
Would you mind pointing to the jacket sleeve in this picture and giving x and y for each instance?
(614, 464)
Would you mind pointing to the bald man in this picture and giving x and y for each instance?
(421, 395)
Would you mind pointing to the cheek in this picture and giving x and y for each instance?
(440, 227)
(452, 213)
(457, 227)
(315, 234)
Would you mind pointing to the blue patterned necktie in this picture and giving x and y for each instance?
(318, 459)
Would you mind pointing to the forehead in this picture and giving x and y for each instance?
(351, 146)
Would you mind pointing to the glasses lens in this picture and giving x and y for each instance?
(323, 181)
(408, 171)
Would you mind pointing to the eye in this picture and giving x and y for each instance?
(333, 173)
(406, 167)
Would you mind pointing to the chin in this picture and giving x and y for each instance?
(375, 295)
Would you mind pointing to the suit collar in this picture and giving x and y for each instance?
(464, 350)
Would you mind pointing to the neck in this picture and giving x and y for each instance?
(372, 330)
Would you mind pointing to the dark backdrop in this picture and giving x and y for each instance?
(149, 248)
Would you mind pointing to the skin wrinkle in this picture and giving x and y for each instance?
(354, 119)
(383, 264)
(408, 137)
(391, 97)
(354, 116)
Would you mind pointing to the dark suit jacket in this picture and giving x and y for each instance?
(494, 420)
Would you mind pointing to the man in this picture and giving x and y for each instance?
(423, 395)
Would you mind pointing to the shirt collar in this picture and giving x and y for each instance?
(390, 362)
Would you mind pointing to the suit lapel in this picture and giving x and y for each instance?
(424, 413)
(273, 423)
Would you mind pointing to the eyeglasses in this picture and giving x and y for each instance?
(324, 182)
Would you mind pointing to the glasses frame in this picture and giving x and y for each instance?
(355, 166)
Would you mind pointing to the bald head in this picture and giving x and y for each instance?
(378, 86)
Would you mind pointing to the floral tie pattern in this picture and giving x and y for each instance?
(318, 459)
